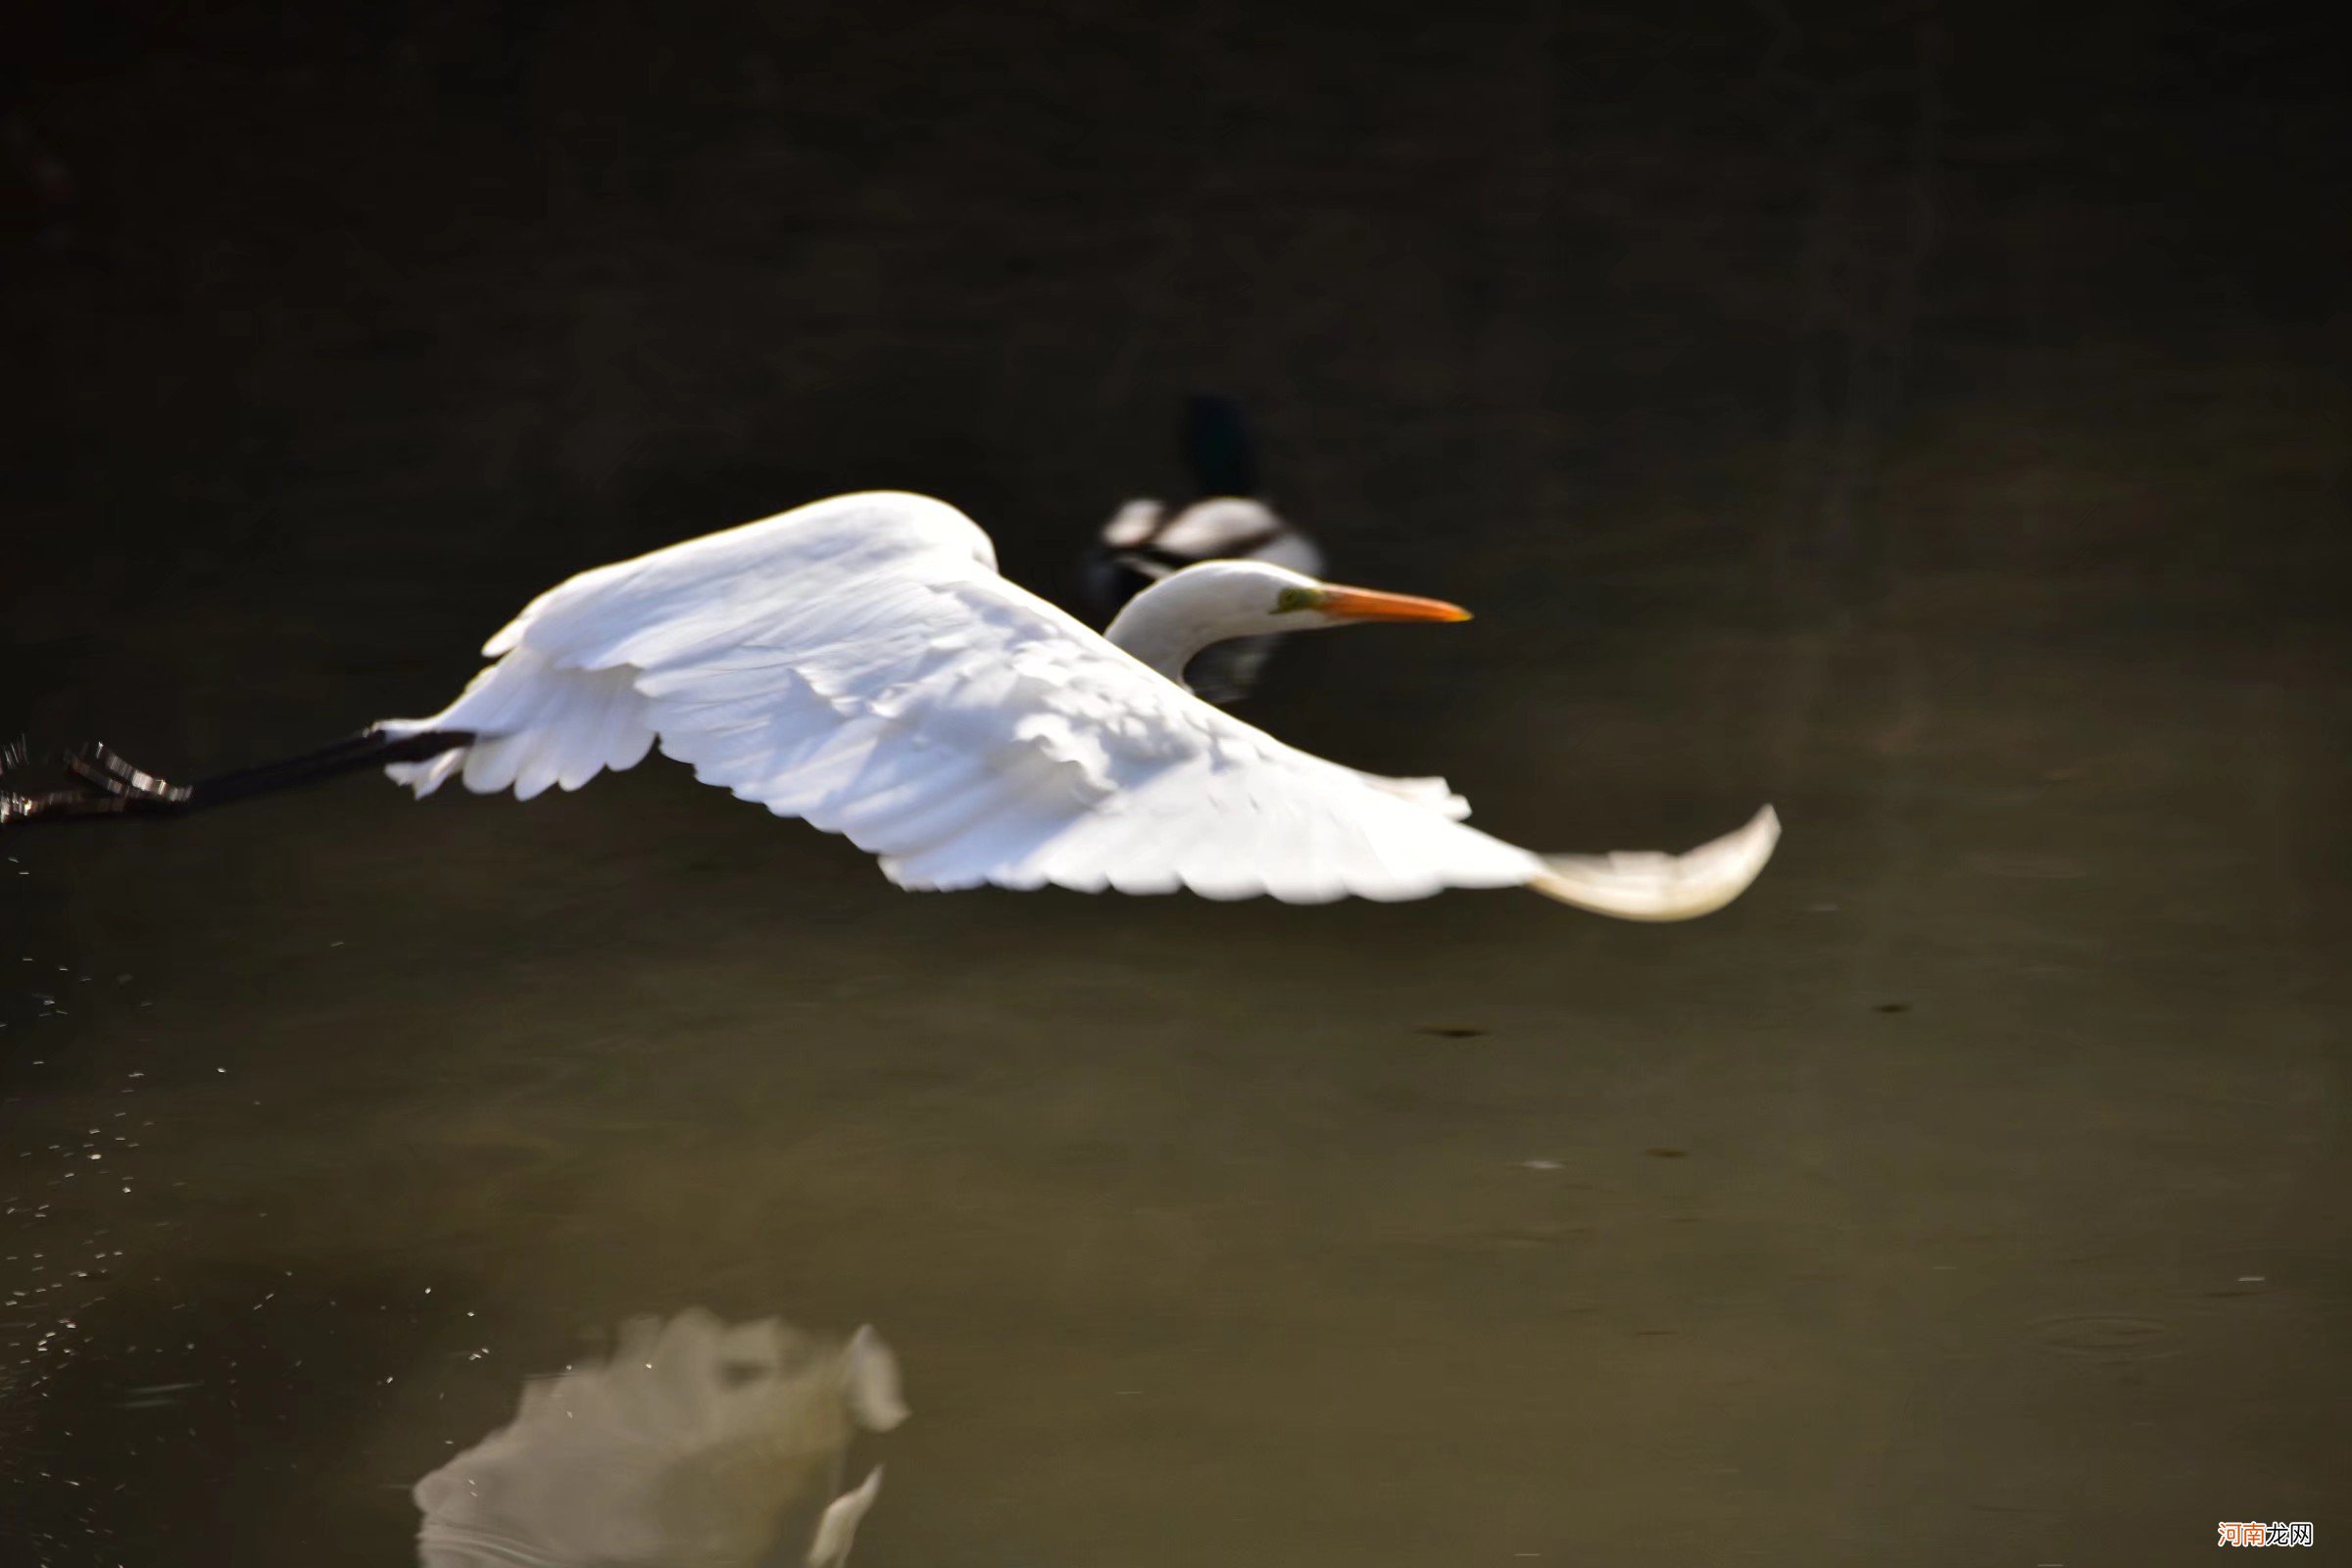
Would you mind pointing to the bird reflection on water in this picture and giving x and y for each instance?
(696, 1444)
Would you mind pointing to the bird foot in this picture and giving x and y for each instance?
(105, 785)
(110, 771)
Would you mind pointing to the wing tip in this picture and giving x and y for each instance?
(1666, 887)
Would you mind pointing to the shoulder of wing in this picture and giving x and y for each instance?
(812, 551)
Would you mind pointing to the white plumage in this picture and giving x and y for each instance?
(859, 662)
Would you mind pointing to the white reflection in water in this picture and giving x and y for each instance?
(698, 1445)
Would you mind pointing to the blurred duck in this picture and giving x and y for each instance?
(1228, 520)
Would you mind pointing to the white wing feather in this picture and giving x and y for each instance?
(858, 663)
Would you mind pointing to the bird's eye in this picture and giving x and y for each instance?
(1296, 598)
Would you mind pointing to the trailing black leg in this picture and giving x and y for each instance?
(112, 787)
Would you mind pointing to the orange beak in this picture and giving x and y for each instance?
(1365, 603)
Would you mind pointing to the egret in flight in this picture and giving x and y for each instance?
(860, 663)
(1230, 520)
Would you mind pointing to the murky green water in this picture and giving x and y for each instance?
(1974, 1180)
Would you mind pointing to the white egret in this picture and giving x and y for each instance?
(860, 663)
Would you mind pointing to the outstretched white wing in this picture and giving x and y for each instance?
(859, 662)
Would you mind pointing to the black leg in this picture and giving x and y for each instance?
(112, 787)
(365, 749)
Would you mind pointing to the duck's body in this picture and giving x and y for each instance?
(1229, 520)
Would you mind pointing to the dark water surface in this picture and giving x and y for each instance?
(1931, 424)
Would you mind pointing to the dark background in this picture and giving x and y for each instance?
(1930, 417)
(299, 302)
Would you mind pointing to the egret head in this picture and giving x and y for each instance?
(1218, 601)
